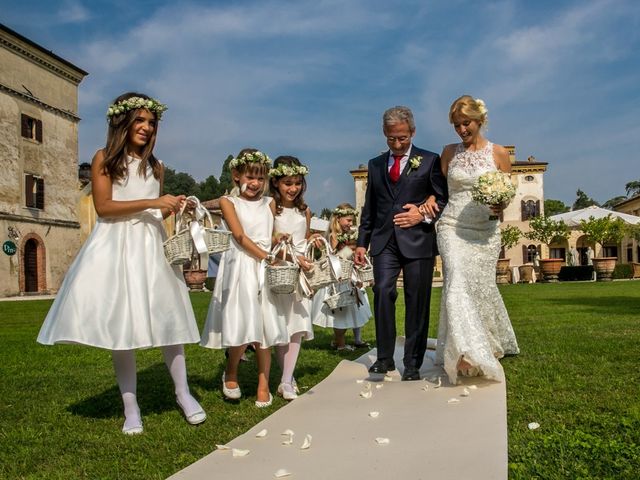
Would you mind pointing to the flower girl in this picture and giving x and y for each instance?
(120, 293)
(342, 239)
(292, 222)
(240, 312)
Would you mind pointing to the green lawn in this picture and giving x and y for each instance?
(578, 376)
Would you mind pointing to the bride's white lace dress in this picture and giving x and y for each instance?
(474, 322)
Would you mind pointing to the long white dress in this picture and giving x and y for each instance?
(353, 316)
(120, 293)
(240, 311)
(294, 309)
(474, 322)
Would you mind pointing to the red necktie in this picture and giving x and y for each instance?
(394, 173)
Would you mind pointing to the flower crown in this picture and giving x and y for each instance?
(344, 212)
(482, 108)
(254, 157)
(283, 170)
(347, 237)
(134, 103)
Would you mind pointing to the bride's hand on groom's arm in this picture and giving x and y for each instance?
(410, 218)
(430, 207)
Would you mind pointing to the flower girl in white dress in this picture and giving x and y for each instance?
(292, 223)
(240, 312)
(120, 293)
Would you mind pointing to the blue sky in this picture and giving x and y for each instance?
(311, 78)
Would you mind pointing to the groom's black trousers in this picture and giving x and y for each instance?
(417, 277)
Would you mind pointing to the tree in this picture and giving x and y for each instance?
(226, 182)
(609, 204)
(547, 230)
(209, 189)
(632, 188)
(604, 230)
(583, 201)
(554, 207)
(325, 213)
(179, 183)
(509, 236)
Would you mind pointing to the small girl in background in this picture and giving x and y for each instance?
(120, 293)
(342, 239)
(240, 309)
(292, 222)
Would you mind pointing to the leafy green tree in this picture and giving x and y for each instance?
(604, 230)
(226, 182)
(509, 236)
(546, 230)
(583, 201)
(609, 204)
(179, 183)
(209, 189)
(633, 188)
(554, 207)
(325, 213)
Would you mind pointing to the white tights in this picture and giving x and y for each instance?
(288, 356)
(124, 364)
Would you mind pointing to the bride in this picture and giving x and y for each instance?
(474, 328)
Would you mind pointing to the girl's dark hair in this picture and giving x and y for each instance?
(115, 158)
(273, 187)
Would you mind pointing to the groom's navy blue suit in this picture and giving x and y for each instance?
(394, 249)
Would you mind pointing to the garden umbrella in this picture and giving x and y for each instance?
(572, 219)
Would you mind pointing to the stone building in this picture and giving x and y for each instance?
(630, 252)
(528, 203)
(39, 157)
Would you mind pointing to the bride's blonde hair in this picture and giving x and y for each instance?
(471, 108)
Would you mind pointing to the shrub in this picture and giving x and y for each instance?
(581, 273)
(622, 270)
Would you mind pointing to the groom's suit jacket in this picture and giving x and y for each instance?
(385, 199)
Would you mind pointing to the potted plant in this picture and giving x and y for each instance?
(604, 230)
(546, 230)
(509, 237)
(633, 231)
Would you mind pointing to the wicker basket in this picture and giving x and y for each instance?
(283, 278)
(340, 298)
(178, 247)
(346, 269)
(321, 274)
(365, 273)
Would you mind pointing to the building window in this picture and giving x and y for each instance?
(34, 191)
(557, 253)
(31, 128)
(529, 209)
(529, 253)
(529, 178)
(610, 251)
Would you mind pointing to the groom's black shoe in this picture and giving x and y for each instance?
(411, 373)
(382, 366)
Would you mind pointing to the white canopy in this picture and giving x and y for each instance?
(319, 224)
(572, 219)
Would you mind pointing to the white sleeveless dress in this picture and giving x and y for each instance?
(120, 293)
(294, 309)
(474, 322)
(353, 316)
(240, 311)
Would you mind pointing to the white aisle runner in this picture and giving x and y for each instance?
(434, 433)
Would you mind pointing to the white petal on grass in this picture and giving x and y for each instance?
(283, 472)
(425, 388)
(367, 386)
(388, 378)
(379, 386)
(223, 447)
(374, 414)
(382, 441)
(239, 453)
(262, 433)
(465, 393)
(473, 387)
(307, 442)
(533, 425)
(360, 380)
(366, 394)
(453, 400)
(288, 432)
(439, 383)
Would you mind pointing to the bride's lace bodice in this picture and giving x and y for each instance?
(464, 169)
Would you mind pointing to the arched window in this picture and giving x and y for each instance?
(529, 209)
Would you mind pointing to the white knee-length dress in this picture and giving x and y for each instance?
(120, 292)
(241, 309)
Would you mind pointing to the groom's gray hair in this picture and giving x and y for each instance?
(398, 114)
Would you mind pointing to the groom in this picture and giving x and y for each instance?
(399, 238)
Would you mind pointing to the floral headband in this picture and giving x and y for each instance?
(283, 170)
(134, 103)
(255, 157)
(344, 212)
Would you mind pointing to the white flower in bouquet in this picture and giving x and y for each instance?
(493, 188)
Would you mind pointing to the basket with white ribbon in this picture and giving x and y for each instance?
(282, 277)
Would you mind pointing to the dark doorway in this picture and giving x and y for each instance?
(31, 266)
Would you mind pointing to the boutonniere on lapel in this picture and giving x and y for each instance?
(414, 163)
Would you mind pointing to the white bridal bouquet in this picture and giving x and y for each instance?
(493, 188)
